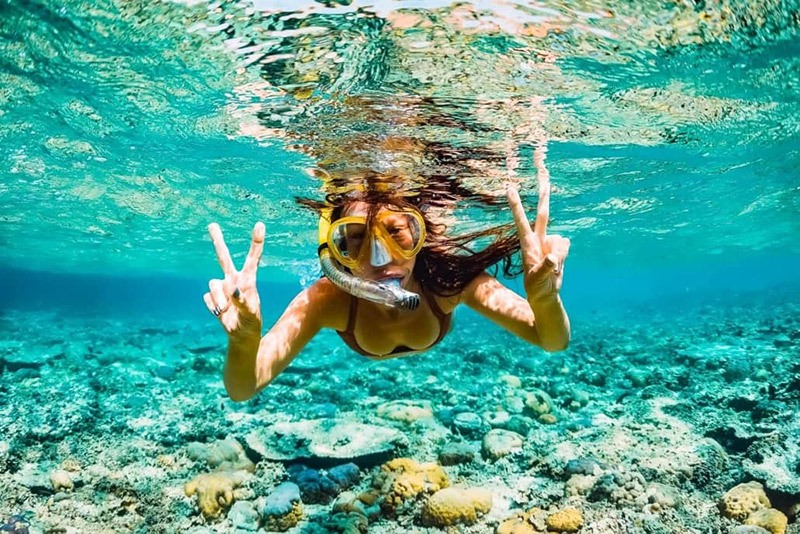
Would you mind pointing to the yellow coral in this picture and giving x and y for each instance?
(768, 519)
(214, 491)
(742, 500)
(519, 523)
(404, 479)
(451, 506)
(566, 520)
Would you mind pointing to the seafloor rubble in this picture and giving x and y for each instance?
(662, 419)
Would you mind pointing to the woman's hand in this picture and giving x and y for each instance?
(543, 255)
(234, 299)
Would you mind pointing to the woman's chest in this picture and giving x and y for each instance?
(382, 335)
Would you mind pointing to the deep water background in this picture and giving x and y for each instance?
(589, 293)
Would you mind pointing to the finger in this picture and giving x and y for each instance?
(223, 255)
(531, 249)
(563, 248)
(543, 208)
(557, 245)
(210, 304)
(217, 290)
(232, 288)
(256, 249)
(550, 264)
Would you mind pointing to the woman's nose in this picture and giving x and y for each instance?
(378, 254)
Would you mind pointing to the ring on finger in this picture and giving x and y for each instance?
(216, 311)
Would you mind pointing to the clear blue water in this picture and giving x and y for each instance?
(672, 133)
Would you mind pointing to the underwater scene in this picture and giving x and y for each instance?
(593, 286)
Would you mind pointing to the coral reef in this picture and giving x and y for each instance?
(402, 480)
(283, 508)
(214, 492)
(405, 411)
(456, 453)
(221, 455)
(659, 457)
(566, 520)
(741, 501)
(769, 519)
(498, 443)
(326, 442)
(455, 505)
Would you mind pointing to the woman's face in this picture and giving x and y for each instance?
(372, 266)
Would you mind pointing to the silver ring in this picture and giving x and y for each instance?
(216, 311)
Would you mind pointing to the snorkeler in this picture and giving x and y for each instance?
(392, 280)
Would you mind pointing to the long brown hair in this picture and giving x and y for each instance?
(446, 263)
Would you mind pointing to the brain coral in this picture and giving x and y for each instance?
(769, 519)
(451, 506)
(742, 500)
(498, 443)
(404, 479)
(538, 402)
(566, 520)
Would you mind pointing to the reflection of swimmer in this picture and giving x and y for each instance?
(392, 281)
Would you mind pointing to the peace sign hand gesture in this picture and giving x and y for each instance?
(542, 255)
(234, 299)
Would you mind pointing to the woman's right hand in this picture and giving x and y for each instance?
(234, 299)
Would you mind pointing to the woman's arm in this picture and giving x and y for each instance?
(541, 321)
(253, 362)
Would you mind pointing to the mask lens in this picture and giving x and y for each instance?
(404, 229)
(349, 238)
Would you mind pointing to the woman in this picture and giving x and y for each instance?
(392, 282)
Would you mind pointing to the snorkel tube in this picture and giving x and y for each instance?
(389, 294)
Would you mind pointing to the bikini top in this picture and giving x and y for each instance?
(349, 336)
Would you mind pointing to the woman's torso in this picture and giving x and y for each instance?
(372, 332)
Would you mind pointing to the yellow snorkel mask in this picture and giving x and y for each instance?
(346, 240)
(394, 233)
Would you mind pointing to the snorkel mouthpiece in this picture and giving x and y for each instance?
(406, 299)
(388, 293)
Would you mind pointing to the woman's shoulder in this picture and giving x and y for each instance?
(483, 283)
(446, 303)
(449, 302)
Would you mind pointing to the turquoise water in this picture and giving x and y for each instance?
(672, 132)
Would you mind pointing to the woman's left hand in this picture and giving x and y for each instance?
(543, 255)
